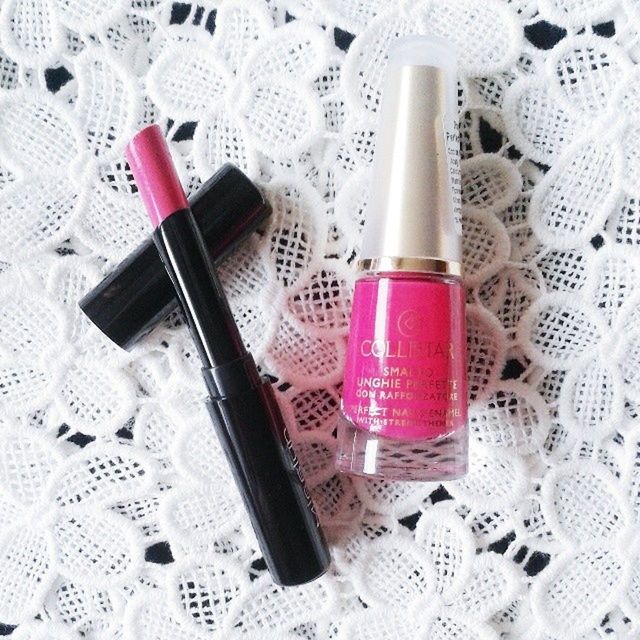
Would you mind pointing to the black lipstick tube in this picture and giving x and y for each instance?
(137, 295)
(242, 406)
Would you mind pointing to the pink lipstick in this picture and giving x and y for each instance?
(242, 406)
(404, 403)
(155, 175)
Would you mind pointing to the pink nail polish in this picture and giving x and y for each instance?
(404, 403)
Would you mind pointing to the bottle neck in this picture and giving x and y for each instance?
(392, 264)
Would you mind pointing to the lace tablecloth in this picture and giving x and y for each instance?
(118, 516)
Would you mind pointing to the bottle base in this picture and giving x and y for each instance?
(370, 455)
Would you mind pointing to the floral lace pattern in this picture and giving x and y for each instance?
(119, 517)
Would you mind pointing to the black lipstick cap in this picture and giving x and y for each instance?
(138, 294)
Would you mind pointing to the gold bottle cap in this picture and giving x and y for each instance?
(414, 220)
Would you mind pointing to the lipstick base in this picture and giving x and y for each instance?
(367, 454)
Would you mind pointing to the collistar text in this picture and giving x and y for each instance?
(405, 349)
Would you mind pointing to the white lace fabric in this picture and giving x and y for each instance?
(118, 515)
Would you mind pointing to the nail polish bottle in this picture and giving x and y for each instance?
(404, 403)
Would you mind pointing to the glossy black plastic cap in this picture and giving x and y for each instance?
(138, 294)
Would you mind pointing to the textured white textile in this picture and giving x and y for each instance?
(118, 515)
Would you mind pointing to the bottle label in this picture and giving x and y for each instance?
(452, 150)
(405, 373)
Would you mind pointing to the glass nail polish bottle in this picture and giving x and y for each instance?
(404, 404)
